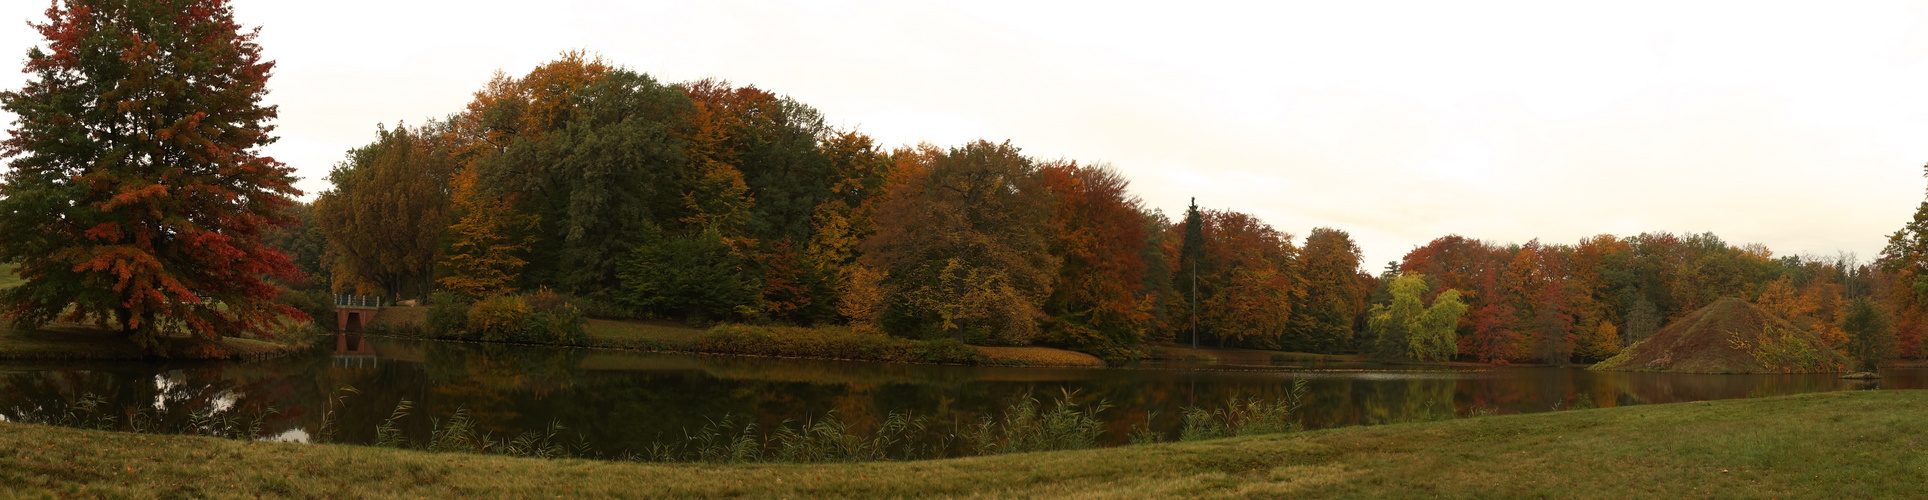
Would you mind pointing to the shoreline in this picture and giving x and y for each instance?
(68, 342)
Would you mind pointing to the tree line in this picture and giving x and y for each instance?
(707, 202)
(1556, 303)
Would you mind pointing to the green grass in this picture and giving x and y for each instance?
(611, 333)
(1841, 444)
(7, 278)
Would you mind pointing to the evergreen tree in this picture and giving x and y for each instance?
(137, 195)
(1191, 253)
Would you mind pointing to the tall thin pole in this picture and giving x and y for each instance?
(1194, 302)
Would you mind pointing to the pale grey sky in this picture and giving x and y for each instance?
(1802, 126)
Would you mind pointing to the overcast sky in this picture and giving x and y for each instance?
(1800, 126)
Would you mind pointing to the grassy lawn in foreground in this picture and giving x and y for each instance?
(1839, 444)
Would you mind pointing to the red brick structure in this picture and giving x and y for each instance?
(352, 313)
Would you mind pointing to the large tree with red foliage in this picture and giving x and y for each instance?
(137, 196)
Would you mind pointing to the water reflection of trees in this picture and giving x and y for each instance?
(626, 401)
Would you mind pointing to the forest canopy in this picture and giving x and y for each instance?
(709, 202)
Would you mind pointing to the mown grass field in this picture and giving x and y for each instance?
(1865, 444)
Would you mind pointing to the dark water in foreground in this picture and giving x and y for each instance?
(623, 401)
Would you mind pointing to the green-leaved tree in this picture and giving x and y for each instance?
(1407, 328)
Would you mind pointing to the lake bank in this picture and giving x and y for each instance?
(829, 343)
(81, 343)
(1861, 443)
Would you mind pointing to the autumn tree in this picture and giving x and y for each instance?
(1329, 264)
(1456, 262)
(1249, 281)
(861, 172)
(1598, 342)
(1098, 303)
(136, 195)
(385, 216)
(964, 245)
(776, 143)
(1165, 305)
(1905, 260)
(488, 242)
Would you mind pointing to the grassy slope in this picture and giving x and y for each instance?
(1852, 444)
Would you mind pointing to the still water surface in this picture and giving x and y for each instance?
(623, 401)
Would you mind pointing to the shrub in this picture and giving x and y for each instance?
(697, 276)
(448, 315)
(1111, 344)
(542, 317)
(553, 320)
(501, 318)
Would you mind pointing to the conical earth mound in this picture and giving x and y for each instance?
(1729, 336)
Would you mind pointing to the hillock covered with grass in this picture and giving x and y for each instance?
(1729, 336)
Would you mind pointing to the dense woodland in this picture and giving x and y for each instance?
(708, 202)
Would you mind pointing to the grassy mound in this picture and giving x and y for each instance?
(1863, 444)
(1039, 356)
(1729, 336)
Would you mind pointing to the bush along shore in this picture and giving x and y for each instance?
(546, 318)
(1804, 446)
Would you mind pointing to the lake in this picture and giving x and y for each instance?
(618, 401)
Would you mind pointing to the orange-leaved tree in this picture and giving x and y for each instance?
(1098, 304)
